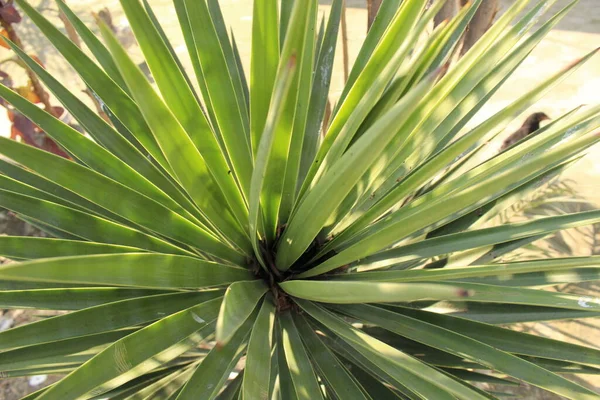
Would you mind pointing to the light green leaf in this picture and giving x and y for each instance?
(498, 313)
(263, 68)
(387, 11)
(68, 299)
(319, 94)
(139, 352)
(257, 373)
(498, 271)
(240, 300)
(95, 188)
(88, 152)
(141, 270)
(384, 199)
(417, 376)
(58, 351)
(341, 292)
(121, 314)
(112, 140)
(213, 371)
(100, 83)
(221, 92)
(304, 379)
(502, 294)
(296, 46)
(477, 238)
(330, 191)
(84, 225)
(188, 165)
(301, 105)
(263, 154)
(27, 247)
(507, 339)
(411, 219)
(381, 67)
(181, 101)
(331, 369)
(463, 346)
(94, 44)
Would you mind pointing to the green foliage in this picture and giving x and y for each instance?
(213, 242)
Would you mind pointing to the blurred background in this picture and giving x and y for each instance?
(575, 190)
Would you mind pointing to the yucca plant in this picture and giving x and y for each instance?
(212, 243)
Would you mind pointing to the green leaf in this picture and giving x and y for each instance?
(94, 187)
(458, 83)
(94, 44)
(84, 225)
(117, 315)
(477, 238)
(421, 214)
(263, 155)
(285, 388)
(165, 39)
(385, 199)
(186, 29)
(387, 11)
(381, 67)
(417, 376)
(141, 270)
(59, 351)
(68, 299)
(331, 369)
(164, 387)
(257, 373)
(235, 71)
(85, 150)
(139, 352)
(330, 191)
(13, 185)
(502, 294)
(498, 313)
(112, 140)
(297, 45)
(263, 68)
(340, 292)
(44, 188)
(189, 166)
(221, 92)
(284, 19)
(26, 247)
(304, 379)
(240, 300)
(320, 89)
(181, 101)
(498, 271)
(301, 105)
(100, 83)
(233, 389)
(366, 372)
(508, 340)
(455, 343)
(541, 279)
(213, 371)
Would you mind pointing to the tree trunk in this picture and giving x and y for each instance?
(481, 22)
(372, 9)
(448, 11)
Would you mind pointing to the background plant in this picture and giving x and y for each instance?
(216, 226)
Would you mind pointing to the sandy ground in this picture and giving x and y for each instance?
(576, 35)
